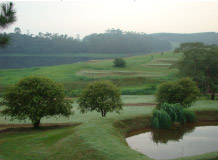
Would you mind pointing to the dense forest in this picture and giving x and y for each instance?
(112, 41)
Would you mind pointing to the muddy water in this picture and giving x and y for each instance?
(189, 140)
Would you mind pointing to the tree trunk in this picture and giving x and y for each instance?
(103, 113)
(36, 123)
(213, 94)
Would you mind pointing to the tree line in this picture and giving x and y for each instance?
(112, 41)
(200, 62)
(204, 37)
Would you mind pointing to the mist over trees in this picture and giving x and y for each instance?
(112, 41)
(205, 37)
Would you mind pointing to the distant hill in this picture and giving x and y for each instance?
(205, 37)
(113, 41)
(49, 49)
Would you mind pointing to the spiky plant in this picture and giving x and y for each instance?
(7, 17)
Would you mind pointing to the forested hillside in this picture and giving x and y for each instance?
(112, 41)
(205, 37)
(48, 49)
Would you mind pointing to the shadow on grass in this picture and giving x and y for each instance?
(5, 128)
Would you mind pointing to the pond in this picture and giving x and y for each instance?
(188, 140)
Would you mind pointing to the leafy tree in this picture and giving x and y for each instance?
(119, 62)
(200, 62)
(183, 91)
(7, 17)
(101, 96)
(36, 97)
(17, 30)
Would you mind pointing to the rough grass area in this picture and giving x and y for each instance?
(74, 77)
(95, 138)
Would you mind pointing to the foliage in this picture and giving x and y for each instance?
(36, 97)
(101, 96)
(175, 111)
(200, 62)
(119, 62)
(139, 91)
(160, 119)
(183, 91)
(190, 115)
(7, 17)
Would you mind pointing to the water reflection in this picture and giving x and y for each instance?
(163, 136)
(167, 144)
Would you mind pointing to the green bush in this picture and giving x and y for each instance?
(136, 91)
(190, 116)
(167, 114)
(161, 119)
(119, 62)
(100, 96)
(175, 111)
(183, 91)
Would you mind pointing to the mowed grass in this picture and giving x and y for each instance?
(93, 138)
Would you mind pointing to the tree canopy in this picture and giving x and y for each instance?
(100, 96)
(200, 62)
(183, 91)
(36, 97)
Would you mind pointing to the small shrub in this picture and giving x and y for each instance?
(190, 116)
(161, 119)
(119, 62)
(136, 91)
(100, 96)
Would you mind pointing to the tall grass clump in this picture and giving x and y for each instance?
(161, 119)
(190, 116)
(175, 111)
(167, 114)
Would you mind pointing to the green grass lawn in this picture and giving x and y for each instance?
(94, 138)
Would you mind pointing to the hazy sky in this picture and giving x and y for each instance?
(95, 16)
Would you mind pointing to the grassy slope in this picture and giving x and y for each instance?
(138, 65)
(94, 138)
